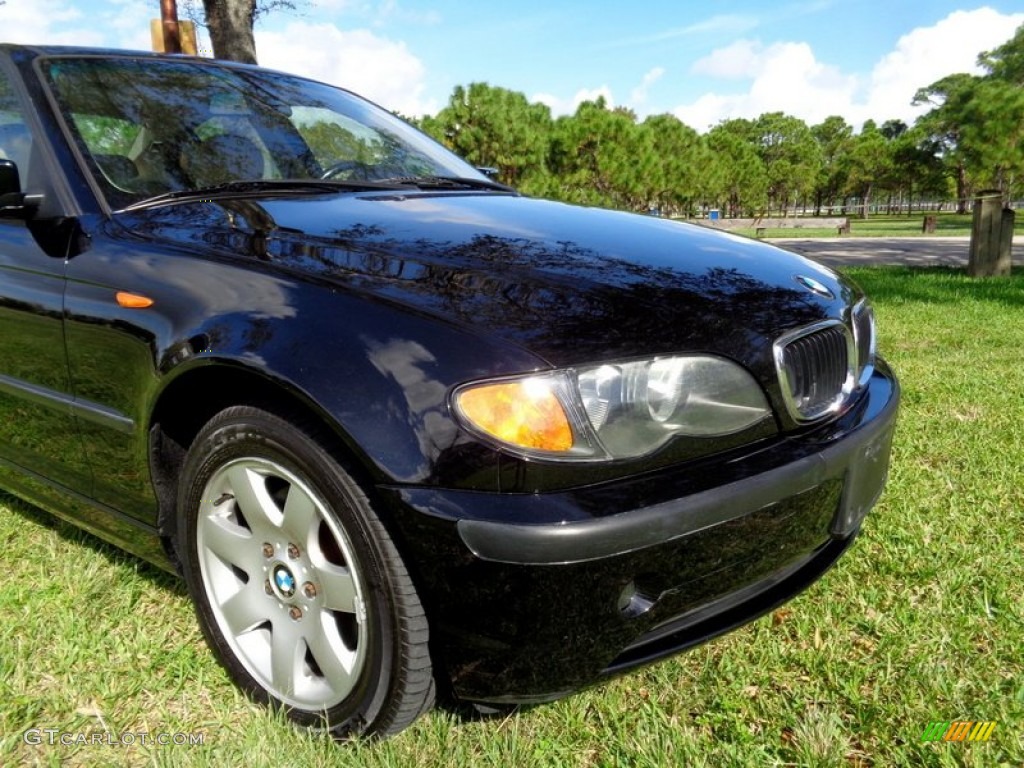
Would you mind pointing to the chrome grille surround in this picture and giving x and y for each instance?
(817, 368)
(862, 319)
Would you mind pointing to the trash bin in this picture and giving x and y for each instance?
(713, 214)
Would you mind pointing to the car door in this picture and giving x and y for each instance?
(38, 433)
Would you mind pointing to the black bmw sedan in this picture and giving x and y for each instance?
(399, 428)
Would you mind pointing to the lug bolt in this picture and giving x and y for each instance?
(295, 612)
(309, 590)
(267, 588)
(293, 551)
(268, 550)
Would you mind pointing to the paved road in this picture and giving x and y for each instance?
(912, 251)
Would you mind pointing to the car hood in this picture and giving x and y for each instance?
(570, 284)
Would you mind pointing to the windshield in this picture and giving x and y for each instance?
(150, 126)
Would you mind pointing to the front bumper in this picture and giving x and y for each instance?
(527, 611)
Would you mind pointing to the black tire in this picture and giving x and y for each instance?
(299, 589)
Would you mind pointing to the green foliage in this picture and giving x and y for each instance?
(331, 143)
(791, 156)
(496, 128)
(992, 134)
(867, 163)
(1006, 62)
(917, 166)
(973, 136)
(834, 136)
(976, 122)
(677, 181)
(106, 135)
(601, 157)
(739, 178)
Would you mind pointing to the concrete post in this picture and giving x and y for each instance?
(990, 250)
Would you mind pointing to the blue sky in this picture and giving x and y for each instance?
(702, 61)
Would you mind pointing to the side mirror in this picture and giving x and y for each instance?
(10, 180)
(13, 202)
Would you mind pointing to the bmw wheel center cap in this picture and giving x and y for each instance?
(284, 581)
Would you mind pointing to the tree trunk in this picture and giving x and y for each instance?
(866, 202)
(230, 24)
(961, 188)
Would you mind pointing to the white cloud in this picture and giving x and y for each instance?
(710, 109)
(736, 61)
(560, 106)
(788, 77)
(928, 54)
(381, 69)
(593, 94)
(46, 22)
(112, 24)
(375, 67)
(129, 20)
(639, 94)
(552, 101)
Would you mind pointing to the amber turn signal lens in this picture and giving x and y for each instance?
(133, 300)
(523, 413)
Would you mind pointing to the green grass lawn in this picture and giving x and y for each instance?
(882, 225)
(922, 621)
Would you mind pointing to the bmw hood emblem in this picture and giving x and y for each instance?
(284, 581)
(814, 286)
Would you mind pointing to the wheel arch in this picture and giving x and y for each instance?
(194, 396)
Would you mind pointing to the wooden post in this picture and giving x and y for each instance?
(169, 17)
(1006, 239)
(987, 257)
(186, 36)
(930, 221)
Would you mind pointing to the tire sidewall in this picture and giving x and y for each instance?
(229, 437)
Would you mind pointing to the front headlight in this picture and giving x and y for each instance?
(614, 410)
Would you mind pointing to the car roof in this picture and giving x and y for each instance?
(73, 50)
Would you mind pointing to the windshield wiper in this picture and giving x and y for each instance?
(259, 187)
(449, 182)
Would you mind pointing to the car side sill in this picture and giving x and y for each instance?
(134, 536)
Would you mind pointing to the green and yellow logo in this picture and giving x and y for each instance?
(958, 730)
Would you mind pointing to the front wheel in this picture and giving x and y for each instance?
(298, 587)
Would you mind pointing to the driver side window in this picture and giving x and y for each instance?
(15, 138)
